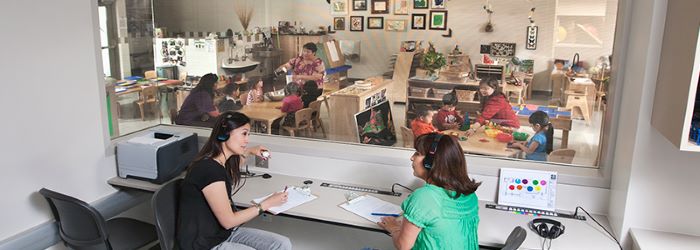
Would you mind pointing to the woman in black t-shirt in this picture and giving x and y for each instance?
(207, 219)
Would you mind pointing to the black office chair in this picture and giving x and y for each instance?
(82, 227)
(515, 239)
(165, 206)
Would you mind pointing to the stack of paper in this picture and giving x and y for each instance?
(295, 197)
(366, 205)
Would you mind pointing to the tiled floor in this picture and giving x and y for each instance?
(583, 138)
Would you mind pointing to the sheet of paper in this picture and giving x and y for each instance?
(144, 140)
(295, 197)
(333, 51)
(365, 205)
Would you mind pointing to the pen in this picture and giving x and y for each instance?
(285, 188)
(383, 214)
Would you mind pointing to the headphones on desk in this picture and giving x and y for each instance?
(547, 228)
(430, 157)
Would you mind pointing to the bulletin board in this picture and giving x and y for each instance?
(201, 56)
(527, 188)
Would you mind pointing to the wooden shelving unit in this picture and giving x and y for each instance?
(677, 81)
(433, 97)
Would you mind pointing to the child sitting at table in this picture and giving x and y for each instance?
(540, 145)
(447, 117)
(290, 105)
(232, 99)
(255, 84)
(423, 123)
(311, 92)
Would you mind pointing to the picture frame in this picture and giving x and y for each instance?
(531, 37)
(375, 124)
(401, 7)
(499, 49)
(408, 46)
(438, 20)
(339, 7)
(437, 4)
(339, 23)
(380, 6)
(420, 4)
(375, 23)
(397, 25)
(357, 23)
(359, 5)
(418, 21)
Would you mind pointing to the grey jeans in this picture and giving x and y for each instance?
(245, 238)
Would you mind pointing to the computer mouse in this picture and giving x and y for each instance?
(266, 176)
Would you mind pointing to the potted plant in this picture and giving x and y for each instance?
(433, 61)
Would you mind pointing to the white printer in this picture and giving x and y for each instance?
(156, 155)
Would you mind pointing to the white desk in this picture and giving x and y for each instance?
(494, 226)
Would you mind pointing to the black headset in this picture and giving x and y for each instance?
(430, 157)
(224, 128)
(547, 228)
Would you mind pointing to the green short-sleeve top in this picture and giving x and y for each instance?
(445, 222)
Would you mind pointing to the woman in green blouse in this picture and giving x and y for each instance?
(443, 214)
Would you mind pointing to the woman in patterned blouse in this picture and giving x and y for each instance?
(307, 66)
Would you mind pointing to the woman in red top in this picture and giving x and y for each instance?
(307, 66)
(494, 106)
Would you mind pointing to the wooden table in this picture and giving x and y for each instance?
(475, 146)
(138, 87)
(266, 112)
(558, 122)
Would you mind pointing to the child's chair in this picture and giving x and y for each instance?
(408, 138)
(302, 121)
(149, 95)
(316, 116)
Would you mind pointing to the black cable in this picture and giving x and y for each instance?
(601, 226)
(397, 184)
(239, 187)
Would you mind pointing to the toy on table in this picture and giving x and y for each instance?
(504, 137)
(520, 136)
(483, 140)
(492, 132)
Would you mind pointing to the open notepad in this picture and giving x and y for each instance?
(295, 197)
(366, 205)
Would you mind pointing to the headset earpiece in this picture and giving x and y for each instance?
(554, 232)
(223, 129)
(222, 138)
(430, 157)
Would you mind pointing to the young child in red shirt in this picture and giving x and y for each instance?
(423, 124)
(447, 117)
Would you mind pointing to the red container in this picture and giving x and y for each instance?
(504, 137)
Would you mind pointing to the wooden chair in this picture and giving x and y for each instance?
(149, 95)
(302, 121)
(151, 74)
(408, 137)
(511, 91)
(562, 156)
(316, 116)
(183, 76)
(578, 100)
(244, 97)
(599, 94)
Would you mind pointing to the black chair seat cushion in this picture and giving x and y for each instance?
(127, 233)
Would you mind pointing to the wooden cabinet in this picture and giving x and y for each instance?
(344, 104)
(291, 45)
(677, 82)
(428, 94)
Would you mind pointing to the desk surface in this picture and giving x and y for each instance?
(494, 227)
(263, 111)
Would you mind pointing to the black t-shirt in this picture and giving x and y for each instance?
(198, 228)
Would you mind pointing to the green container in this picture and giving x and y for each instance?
(520, 136)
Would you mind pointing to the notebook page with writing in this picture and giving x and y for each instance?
(365, 205)
(295, 197)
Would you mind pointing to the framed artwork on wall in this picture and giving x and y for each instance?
(375, 23)
(380, 6)
(358, 5)
(339, 23)
(395, 25)
(503, 49)
(531, 38)
(437, 4)
(339, 7)
(401, 7)
(420, 4)
(357, 23)
(418, 21)
(438, 20)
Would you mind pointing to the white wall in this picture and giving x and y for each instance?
(54, 127)
(653, 185)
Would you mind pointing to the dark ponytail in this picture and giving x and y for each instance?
(541, 118)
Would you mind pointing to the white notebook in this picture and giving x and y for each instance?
(295, 197)
(366, 205)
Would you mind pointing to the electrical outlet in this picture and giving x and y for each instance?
(261, 162)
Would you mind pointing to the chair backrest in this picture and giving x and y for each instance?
(515, 239)
(183, 76)
(408, 137)
(302, 117)
(149, 93)
(79, 224)
(165, 204)
(316, 107)
(151, 74)
(244, 97)
(562, 155)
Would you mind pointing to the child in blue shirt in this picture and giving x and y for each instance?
(540, 145)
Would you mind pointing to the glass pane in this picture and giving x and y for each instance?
(104, 39)
(106, 63)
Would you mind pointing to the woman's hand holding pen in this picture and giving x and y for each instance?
(274, 200)
(390, 224)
